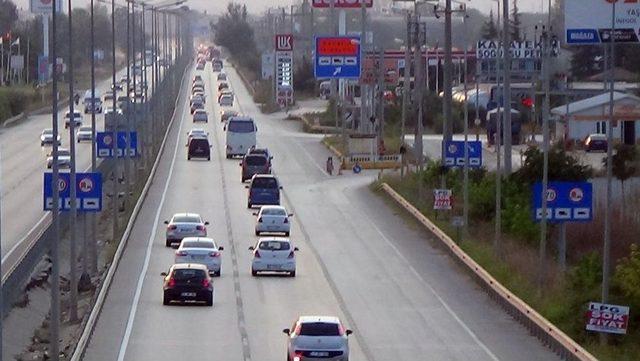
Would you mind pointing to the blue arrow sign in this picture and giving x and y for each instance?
(337, 57)
(104, 144)
(454, 153)
(566, 201)
(88, 192)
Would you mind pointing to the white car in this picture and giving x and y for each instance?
(226, 100)
(184, 225)
(84, 133)
(273, 219)
(273, 254)
(77, 118)
(200, 115)
(64, 158)
(317, 338)
(200, 250)
(46, 137)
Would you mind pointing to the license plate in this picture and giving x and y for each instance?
(188, 294)
(273, 266)
(200, 258)
(271, 228)
(319, 354)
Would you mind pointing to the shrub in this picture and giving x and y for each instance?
(482, 199)
(627, 278)
(583, 282)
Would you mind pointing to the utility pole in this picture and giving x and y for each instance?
(363, 49)
(407, 79)
(545, 162)
(73, 275)
(447, 126)
(127, 159)
(54, 246)
(465, 208)
(506, 92)
(418, 94)
(115, 121)
(380, 105)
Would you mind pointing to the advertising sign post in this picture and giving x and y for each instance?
(284, 69)
(589, 21)
(442, 199)
(337, 57)
(602, 317)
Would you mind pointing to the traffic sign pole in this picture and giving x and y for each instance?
(545, 162)
(465, 206)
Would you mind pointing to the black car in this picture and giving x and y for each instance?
(596, 143)
(199, 147)
(187, 282)
(254, 164)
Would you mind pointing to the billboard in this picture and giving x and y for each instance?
(589, 21)
(341, 3)
(566, 201)
(526, 49)
(44, 6)
(602, 317)
(284, 42)
(337, 57)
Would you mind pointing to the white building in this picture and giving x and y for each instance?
(575, 121)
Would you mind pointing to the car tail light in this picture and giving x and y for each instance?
(297, 356)
(172, 227)
(260, 220)
(286, 220)
(172, 282)
(200, 228)
(340, 330)
(256, 254)
(214, 254)
(205, 282)
(291, 254)
(181, 253)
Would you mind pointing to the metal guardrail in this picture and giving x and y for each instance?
(544, 330)
(366, 158)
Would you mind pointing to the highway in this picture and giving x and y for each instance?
(360, 259)
(23, 162)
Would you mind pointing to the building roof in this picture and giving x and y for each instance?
(598, 100)
(619, 74)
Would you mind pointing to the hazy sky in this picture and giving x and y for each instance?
(257, 6)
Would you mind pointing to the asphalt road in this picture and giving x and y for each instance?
(24, 161)
(359, 259)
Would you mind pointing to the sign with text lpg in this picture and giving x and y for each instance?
(589, 21)
(602, 317)
(442, 199)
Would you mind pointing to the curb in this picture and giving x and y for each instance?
(541, 328)
(78, 352)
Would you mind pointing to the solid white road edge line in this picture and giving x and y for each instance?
(147, 257)
(428, 285)
(78, 352)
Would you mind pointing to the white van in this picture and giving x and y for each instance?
(94, 105)
(241, 136)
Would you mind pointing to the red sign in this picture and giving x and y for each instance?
(284, 42)
(342, 3)
(338, 46)
(442, 199)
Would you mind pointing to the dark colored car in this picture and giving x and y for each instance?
(264, 190)
(196, 105)
(264, 151)
(199, 147)
(187, 282)
(595, 143)
(254, 164)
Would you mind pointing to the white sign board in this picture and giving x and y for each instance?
(602, 317)
(589, 21)
(268, 65)
(17, 62)
(442, 199)
(526, 49)
(44, 6)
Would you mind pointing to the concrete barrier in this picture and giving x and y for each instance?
(544, 330)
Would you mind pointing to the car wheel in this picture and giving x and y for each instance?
(209, 300)
(167, 243)
(249, 205)
(286, 234)
(78, 140)
(292, 274)
(188, 158)
(42, 144)
(254, 273)
(228, 156)
(166, 300)
(209, 158)
(257, 233)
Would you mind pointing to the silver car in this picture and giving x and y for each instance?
(226, 100)
(46, 137)
(84, 133)
(184, 225)
(200, 250)
(273, 254)
(64, 158)
(317, 338)
(200, 115)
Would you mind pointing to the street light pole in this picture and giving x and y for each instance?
(506, 82)
(447, 126)
(115, 121)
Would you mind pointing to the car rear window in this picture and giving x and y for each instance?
(184, 274)
(319, 329)
(186, 219)
(274, 246)
(197, 244)
(274, 212)
(265, 183)
(199, 142)
(240, 126)
(255, 160)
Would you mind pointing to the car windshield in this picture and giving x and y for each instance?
(63, 152)
(199, 142)
(184, 274)
(255, 160)
(274, 246)
(239, 126)
(197, 244)
(186, 219)
(201, 112)
(319, 329)
(84, 129)
(265, 183)
(195, 132)
(47, 132)
(273, 212)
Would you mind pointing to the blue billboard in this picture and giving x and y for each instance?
(566, 202)
(88, 192)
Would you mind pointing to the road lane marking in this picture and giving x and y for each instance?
(147, 257)
(432, 290)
